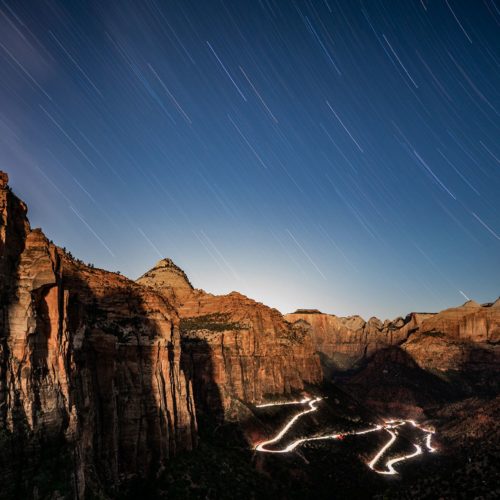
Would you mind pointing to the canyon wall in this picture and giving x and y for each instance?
(344, 343)
(441, 341)
(90, 377)
(406, 365)
(462, 339)
(234, 348)
(101, 377)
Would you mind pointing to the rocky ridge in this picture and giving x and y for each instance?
(234, 348)
(345, 342)
(101, 377)
(411, 363)
(440, 341)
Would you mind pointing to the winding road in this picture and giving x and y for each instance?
(389, 426)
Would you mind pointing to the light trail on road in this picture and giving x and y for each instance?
(428, 437)
(383, 450)
(281, 403)
(388, 426)
(283, 431)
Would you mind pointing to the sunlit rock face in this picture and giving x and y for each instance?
(235, 348)
(344, 343)
(409, 364)
(469, 322)
(461, 339)
(170, 279)
(89, 368)
(449, 340)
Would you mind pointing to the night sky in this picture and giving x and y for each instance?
(340, 155)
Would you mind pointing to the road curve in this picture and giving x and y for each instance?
(388, 426)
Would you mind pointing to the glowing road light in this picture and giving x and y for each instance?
(428, 437)
(373, 429)
(428, 444)
(281, 403)
(389, 426)
(382, 450)
(412, 422)
(389, 464)
(283, 431)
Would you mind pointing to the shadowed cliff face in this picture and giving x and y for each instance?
(91, 389)
(248, 348)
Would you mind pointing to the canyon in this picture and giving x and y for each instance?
(453, 353)
(235, 349)
(105, 381)
(93, 364)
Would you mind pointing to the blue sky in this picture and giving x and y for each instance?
(337, 155)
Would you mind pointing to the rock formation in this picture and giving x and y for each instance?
(170, 280)
(460, 339)
(89, 367)
(405, 365)
(344, 343)
(234, 348)
(102, 378)
(94, 373)
(441, 341)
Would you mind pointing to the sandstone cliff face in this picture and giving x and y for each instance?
(345, 342)
(406, 365)
(465, 338)
(235, 348)
(469, 322)
(453, 339)
(89, 361)
(170, 279)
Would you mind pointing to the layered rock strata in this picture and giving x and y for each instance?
(344, 343)
(464, 337)
(97, 385)
(236, 349)
(88, 360)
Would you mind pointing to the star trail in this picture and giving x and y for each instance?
(341, 155)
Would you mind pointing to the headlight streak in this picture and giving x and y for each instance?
(389, 464)
(383, 449)
(428, 437)
(388, 426)
(281, 403)
(430, 448)
(312, 407)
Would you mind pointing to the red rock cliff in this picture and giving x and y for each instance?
(440, 341)
(465, 338)
(89, 361)
(236, 348)
(345, 342)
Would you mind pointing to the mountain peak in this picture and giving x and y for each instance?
(167, 262)
(169, 278)
(471, 304)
